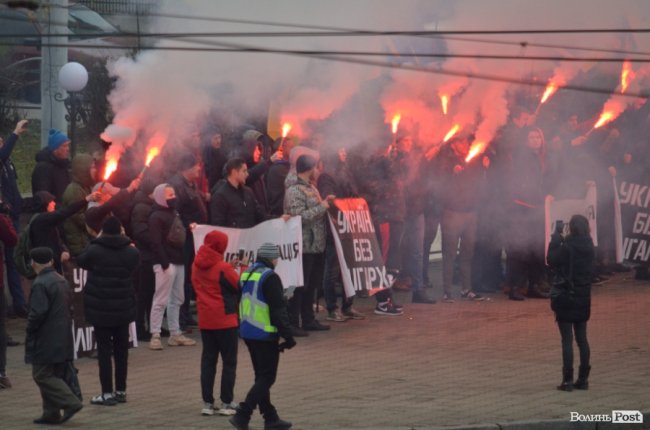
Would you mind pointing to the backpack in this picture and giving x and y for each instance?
(21, 252)
(176, 235)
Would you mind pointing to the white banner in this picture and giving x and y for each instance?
(563, 210)
(286, 234)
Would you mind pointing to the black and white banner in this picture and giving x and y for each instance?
(632, 219)
(362, 266)
(286, 234)
(83, 334)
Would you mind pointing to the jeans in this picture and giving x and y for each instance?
(301, 305)
(457, 226)
(431, 222)
(412, 248)
(169, 294)
(55, 392)
(265, 357)
(222, 342)
(395, 235)
(331, 275)
(112, 343)
(13, 277)
(566, 331)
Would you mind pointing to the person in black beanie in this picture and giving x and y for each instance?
(110, 304)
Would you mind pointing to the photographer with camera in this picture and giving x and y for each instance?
(12, 206)
(572, 258)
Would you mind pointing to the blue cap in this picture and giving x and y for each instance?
(56, 139)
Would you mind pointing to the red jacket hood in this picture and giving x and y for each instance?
(211, 252)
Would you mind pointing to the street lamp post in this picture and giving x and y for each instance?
(73, 78)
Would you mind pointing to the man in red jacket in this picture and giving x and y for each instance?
(217, 295)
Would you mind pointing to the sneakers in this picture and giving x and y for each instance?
(105, 399)
(208, 409)
(315, 326)
(278, 424)
(395, 305)
(227, 409)
(387, 309)
(335, 316)
(5, 382)
(446, 298)
(120, 396)
(180, 340)
(471, 295)
(239, 422)
(69, 413)
(155, 343)
(351, 313)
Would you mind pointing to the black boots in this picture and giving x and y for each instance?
(242, 417)
(567, 380)
(582, 382)
(277, 424)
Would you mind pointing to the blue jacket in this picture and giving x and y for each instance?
(8, 177)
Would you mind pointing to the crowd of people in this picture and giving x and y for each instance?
(133, 233)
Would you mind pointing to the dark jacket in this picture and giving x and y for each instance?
(461, 191)
(49, 329)
(9, 177)
(140, 225)
(44, 230)
(50, 174)
(118, 205)
(560, 252)
(109, 295)
(275, 187)
(214, 160)
(8, 239)
(74, 228)
(191, 206)
(160, 222)
(235, 207)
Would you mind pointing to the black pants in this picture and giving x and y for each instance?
(55, 392)
(265, 357)
(146, 288)
(301, 305)
(219, 342)
(3, 332)
(566, 331)
(112, 342)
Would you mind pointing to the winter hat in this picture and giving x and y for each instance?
(159, 195)
(112, 226)
(251, 135)
(56, 139)
(305, 163)
(297, 151)
(41, 255)
(42, 199)
(269, 251)
(216, 240)
(187, 161)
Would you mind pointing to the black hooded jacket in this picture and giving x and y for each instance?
(579, 252)
(50, 174)
(109, 295)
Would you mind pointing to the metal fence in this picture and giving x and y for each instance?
(115, 7)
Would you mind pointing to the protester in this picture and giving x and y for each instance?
(232, 203)
(13, 202)
(8, 239)
(167, 237)
(217, 295)
(51, 172)
(263, 317)
(572, 258)
(49, 346)
(276, 176)
(84, 175)
(110, 304)
(302, 199)
(214, 157)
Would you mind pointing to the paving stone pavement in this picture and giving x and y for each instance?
(481, 365)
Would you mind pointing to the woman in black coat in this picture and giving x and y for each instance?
(572, 258)
(110, 304)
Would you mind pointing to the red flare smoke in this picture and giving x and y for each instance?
(605, 118)
(551, 88)
(111, 166)
(475, 149)
(395, 122)
(451, 133)
(286, 128)
(151, 154)
(626, 75)
(444, 101)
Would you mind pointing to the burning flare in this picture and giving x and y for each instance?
(395, 122)
(286, 128)
(451, 133)
(551, 89)
(111, 166)
(151, 154)
(605, 118)
(444, 101)
(476, 149)
(626, 75)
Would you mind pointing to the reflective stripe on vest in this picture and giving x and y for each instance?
(253, 312)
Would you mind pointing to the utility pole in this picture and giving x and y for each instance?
(54, 30)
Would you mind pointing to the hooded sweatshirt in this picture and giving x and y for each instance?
(216, 285)
(160, 222)
(74, 228)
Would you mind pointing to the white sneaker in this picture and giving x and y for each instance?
(208, 409)
(180, 340)
(228, 409)
(155, 343)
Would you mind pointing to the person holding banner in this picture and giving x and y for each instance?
(572, 258)
(303, 199)
(110, 304)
